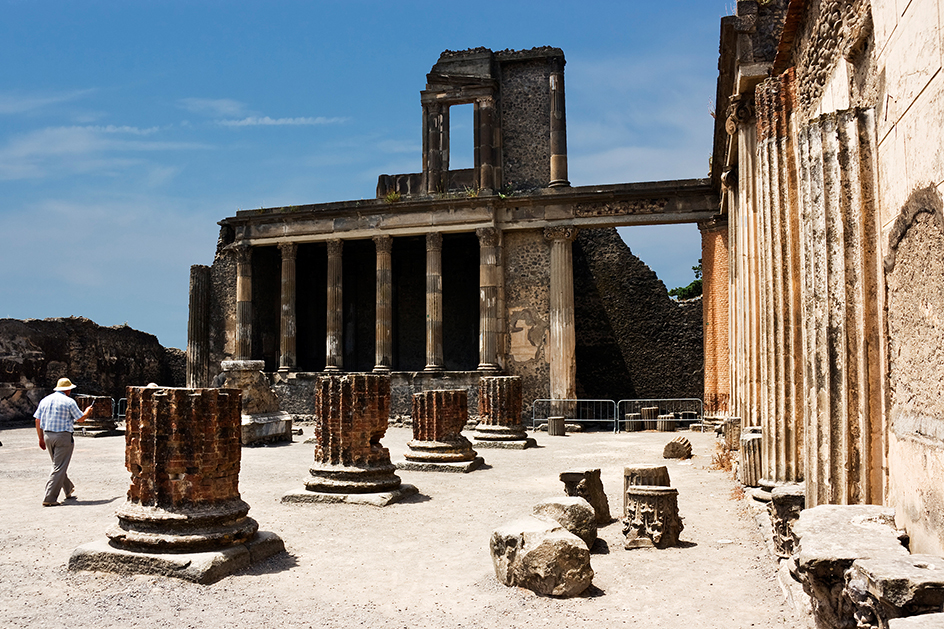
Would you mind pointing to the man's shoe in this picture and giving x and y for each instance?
(50, 504)
(72, 497)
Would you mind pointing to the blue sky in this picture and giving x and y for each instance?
(128, 129)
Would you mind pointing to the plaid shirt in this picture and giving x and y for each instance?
(57, 413)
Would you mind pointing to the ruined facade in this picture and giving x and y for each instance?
(448, 275)
(828, 151)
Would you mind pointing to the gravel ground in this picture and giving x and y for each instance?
(421, 563)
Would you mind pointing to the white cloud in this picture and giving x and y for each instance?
(213, 106)
(77, 149)
(266, 121)
(17, 103)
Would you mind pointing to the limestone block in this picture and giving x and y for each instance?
(924, 621)
(893, 587)
(588, 485)
(573, 513)
(666, 423)
(830, 539)
(541, 556)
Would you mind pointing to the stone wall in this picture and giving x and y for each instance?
(527, 265)
(633, 340)
(101, 361)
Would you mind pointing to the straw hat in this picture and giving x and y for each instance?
(64, 384)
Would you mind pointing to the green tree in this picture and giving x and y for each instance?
(692, 290)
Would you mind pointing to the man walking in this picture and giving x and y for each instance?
(55, 417)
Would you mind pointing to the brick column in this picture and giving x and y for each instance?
(183, 452)
(243, 302)
(563, 366)
(500, 407)
(288, 329)
(334, 350)
(714, 264)
(383, 354)
(434, 338)
(489, 281)
(438, 420)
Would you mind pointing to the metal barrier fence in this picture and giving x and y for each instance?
(574, 411)
(644, 414)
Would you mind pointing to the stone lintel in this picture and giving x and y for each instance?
(463, 467)
(379, 499)
(197, 567)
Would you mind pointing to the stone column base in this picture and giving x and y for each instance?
(378, 499)
(505, 437)
(463, 467)
(198, 567)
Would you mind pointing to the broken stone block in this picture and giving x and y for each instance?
(541, 556)
(573, 513)
(589, 486)
(832, 537)
(262, 421)
(652, 517)
(924, 621)
(100, 423)
(632, 422)
(893, 587)
(678, 448)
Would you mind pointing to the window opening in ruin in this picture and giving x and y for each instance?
(461, 137)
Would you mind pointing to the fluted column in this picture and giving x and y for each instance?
(288, 329)
(558, 131)
(563, 366)
(334, 345)
(434, 339)
(384, 326)
(243, 254)
(489, 280)
(198, 328)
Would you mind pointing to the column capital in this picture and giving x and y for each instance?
(242, 251)
(383, 243)
(560, 232)
(289, 250)
(488, 236)
(434, 241)
(335, 245)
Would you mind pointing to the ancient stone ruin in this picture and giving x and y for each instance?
(678, 448)
(856, 570)
(102, 422)
(262, 420)
(350, 465)
(548, 552)
(644, 475)
(652, 517)
(588, 485)
(500, 407)
(437, 444)
(184, 516)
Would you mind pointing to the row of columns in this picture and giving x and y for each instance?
(562, 340)
(490, 277)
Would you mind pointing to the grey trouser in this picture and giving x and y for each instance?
(59, 445)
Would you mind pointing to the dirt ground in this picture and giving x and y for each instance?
(421, 563)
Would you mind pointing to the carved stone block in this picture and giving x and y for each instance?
(644, 475)
(652, 517)
(786, 503)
